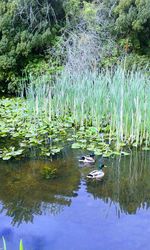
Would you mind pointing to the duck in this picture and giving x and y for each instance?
(97, 174)
(88, 158)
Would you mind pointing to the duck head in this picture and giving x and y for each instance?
(92, 155)
(101, 164)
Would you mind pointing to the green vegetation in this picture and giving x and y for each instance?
(41, 37)
(79, 71)
(89, 103)
(106, 113)
(49, 172)
(20, 244)
(18, 178)
(27, 28)
(20, 130)
(133, 25)
(65, 58)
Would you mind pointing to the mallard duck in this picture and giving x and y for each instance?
(87, 158)
(97, 174)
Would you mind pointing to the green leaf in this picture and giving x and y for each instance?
(92, 129)
(97, 152)
(17, 152)
(107, 154)
(76, 145)
(70, 139)
(116, 153)
(90, 148)
(6, 157)
(21, 245)
(23, 144)
(4, 243)
(55, 150)
(83, 140)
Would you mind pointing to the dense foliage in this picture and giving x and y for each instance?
(107, 30)
(133, 24)
(27, 28)
(98, 120)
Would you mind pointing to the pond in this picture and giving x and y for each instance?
(70, 212)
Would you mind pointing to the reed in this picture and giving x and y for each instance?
(117, 99)
(5, 246)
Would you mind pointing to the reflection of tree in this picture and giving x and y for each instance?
(20, 212)
(24, 193)
(126, 183)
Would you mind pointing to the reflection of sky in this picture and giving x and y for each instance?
(88, 224)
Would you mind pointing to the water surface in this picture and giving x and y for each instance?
(70, 212)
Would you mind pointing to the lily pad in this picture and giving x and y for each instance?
(116, 153)
(76, 145)
(6, 157)
(55, 150)
(69, 139)
(98, 152)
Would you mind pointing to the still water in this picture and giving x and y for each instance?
(71, 213)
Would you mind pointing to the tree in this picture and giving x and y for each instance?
(133, 25)
(27, 28)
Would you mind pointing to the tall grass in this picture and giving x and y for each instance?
(117, 99)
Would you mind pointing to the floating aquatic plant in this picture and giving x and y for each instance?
(6, 154)
(49, 172)
(103, 112)
(115, 103)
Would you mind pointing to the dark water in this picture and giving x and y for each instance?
(71, 213)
